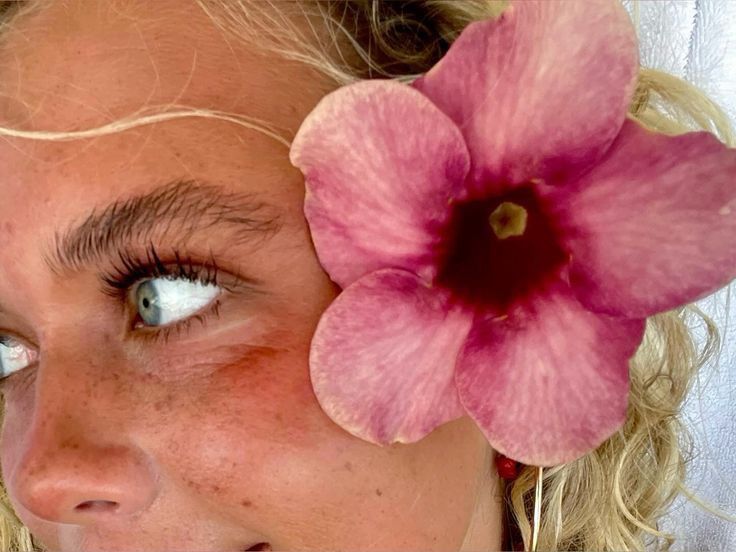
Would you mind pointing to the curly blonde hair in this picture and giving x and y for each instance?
(611, 498)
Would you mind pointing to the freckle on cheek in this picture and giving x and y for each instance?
(69, 444)
(40, 468)
(193, 485)
(164, 403)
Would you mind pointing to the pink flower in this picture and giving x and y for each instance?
(501, 231)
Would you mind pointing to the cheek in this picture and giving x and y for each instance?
(251, 430)
(7, 231)
(267, 395)
(234, 428)
(265, 453)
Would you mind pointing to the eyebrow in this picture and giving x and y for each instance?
(181, 208)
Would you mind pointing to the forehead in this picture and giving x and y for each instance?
(79, 64)
(75, 64)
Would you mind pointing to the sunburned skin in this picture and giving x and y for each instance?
(212, 439)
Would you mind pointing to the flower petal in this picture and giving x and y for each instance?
(539, 92)
(383, 357)
(654, 225)
(381, 163)
(549, 383)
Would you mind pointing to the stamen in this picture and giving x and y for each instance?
(507, 220)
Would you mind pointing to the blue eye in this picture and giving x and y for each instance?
(14, 356)
(162, 301)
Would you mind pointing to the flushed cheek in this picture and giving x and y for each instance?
(252, 441)
(267, 393)
(259, 401)
(252, 429)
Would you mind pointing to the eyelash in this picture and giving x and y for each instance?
(132, 270)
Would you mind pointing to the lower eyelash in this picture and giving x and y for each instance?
(162, 334)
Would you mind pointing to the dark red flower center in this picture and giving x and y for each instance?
(500, 249)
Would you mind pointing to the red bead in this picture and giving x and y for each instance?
(507, 468)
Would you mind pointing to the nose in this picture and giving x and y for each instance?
(84, 483)
(74, 462)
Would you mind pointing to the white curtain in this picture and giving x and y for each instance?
(696, 39)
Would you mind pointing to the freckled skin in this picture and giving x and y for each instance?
(214, 440)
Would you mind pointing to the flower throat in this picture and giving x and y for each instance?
(501, 248)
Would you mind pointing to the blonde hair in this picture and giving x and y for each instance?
(611, 498)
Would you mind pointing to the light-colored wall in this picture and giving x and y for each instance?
(696, 39)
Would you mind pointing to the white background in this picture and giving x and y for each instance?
(696, 39)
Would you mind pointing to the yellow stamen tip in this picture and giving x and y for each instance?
(507, 220)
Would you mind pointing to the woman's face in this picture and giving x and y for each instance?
(205, 435)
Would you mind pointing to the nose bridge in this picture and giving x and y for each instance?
(79, 461)
(80, 387)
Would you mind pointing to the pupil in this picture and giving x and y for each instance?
(146, 302)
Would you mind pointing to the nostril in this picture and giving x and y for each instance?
(260, 546)
(106, 506)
